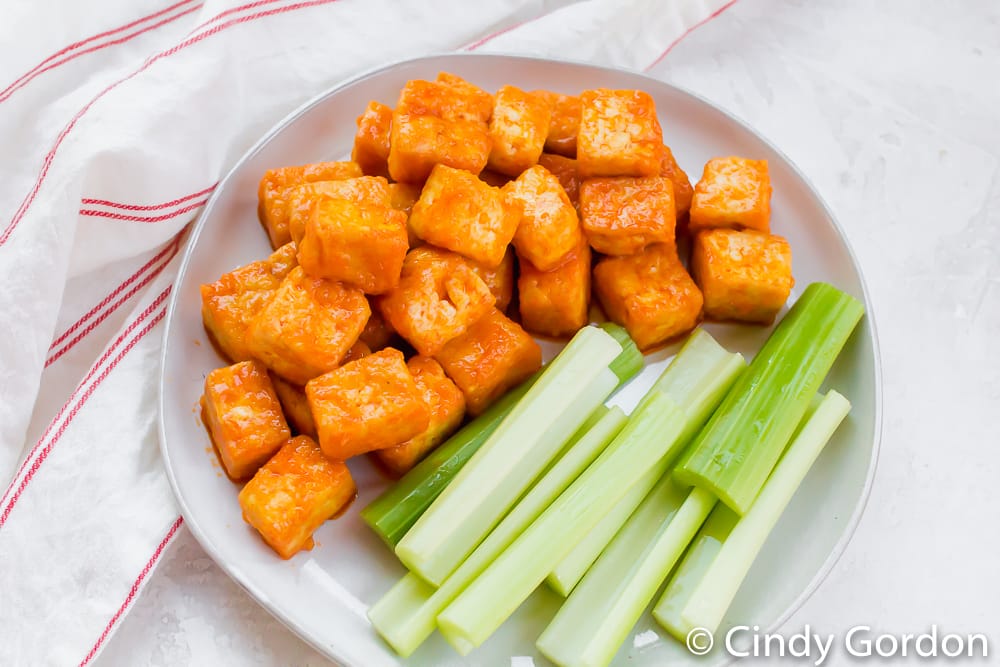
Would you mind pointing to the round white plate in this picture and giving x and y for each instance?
(323, 594)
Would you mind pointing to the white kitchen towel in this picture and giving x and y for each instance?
(116, 122)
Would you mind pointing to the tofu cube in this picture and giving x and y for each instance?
(371, 190)
(621, 216)
(438, 298)
(371, 143)
(683, 192)
(368, 404)
(450, 99)
(362, 245)
(733, 192)
(650, 294)
(447, 407)
(402, 197)
(495, 354)
(744, 275)
(378, 333)
(565, 124)
(500, 279)
(565, 170)
(294, 494)
(276, 186)
(230, 303)
(294, 405)
(359, 350)
(478, 100)
(308, 326)
(549, 229)
(243, 417)
(556, 303)
(420, 142)
(619, 134)
(518, 128)
(459, 212)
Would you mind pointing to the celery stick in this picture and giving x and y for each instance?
(493, 596)
(405, 616)
(713, 596)
(697, 380)
(734, 454)
(570, 388)
(692, 569)
(594, 621)
(630, 361)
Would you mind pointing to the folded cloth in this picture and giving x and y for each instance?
(117, 123)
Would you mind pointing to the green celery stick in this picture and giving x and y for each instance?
(406, 615)
(508, 463)
(736, 451)
(714, 594)
(597, 617)
(496, 593)
(630, 361)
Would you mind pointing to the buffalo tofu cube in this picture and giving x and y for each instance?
(733, 192)
(368, 404)
(565, 170)
(402, 197)
(277, 184)
(477, 100)
(459, 212)
(243, 416)
(682, 184)
(302, 200)
(362, 245)
(230, 303)
(447, 407)
(294, 493)
(744, 275)
(499, 279)
(619, 134)
(378, 333)
(308, 326)
(451, 99)
(518, 128)
(371, 143)
(649, 293)
(565, 123)
(492, 356)
(438, 297)
(420, 142)
(549, 229)
(556, 303)
(294, 405)
(621, 216)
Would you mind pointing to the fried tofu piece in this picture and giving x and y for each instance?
(744, 275)
(438, 297)
(277, 184)
(371, 190)
(308, 326)
(362, 245)
(420, 142)
(402, 197)
(619, 134)
(683, 191)
(294, 405)
(243, 416)
(477, 99)
(623, 215)
(518, 127)
(549, 229)
(500, 279)
(733, 192)
(459, 212)
(565, 170)
(556, 303)
(231, 302)
(452, 99)
(359, 350)
(368, 404)
(492, 356)
(565, 124)
(371, 143)
(294, 494)
(378, 333)
(447, 407)
(649, 293)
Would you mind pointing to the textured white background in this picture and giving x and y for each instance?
(891, 109)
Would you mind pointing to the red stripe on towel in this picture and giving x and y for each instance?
(688, 32)
(147, 207)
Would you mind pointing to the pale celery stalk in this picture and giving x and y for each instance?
(594, 621)
(405, 616)
(525, 443)
(493, 596)
(697, 380)
(714, 594)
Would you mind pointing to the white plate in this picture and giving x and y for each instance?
(323, 594)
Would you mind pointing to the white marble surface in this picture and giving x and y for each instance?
(891, 109)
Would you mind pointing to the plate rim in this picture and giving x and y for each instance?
(331, 650)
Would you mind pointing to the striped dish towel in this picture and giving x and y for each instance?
(117, 120)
